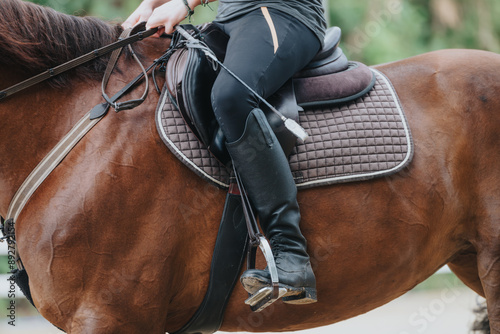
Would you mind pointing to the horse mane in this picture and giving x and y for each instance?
(34, 38)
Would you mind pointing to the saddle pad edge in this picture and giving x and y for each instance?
(367, 176)
(177, 152)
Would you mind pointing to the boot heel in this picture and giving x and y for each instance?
(307, 296)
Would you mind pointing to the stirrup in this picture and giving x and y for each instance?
(266, 295)
(269, 294)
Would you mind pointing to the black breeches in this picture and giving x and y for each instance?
(266, 48)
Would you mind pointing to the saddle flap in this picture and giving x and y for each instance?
(174, 71)
(189, 80)
(215, 38)
(194, 95)
(283, 100)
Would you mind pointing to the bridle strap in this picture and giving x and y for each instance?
(107, 74)
(51, 72)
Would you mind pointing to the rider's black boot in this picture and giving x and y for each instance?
(265, 174)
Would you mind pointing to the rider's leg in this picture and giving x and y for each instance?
(265, 63)
(266, 175)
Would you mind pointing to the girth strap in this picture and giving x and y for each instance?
(227, 260)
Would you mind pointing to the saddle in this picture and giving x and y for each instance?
(328, 79)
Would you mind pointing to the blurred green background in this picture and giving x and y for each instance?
(374, 31)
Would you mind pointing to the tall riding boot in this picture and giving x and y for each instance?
(265, 173)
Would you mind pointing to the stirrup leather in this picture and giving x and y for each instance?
(266, 295)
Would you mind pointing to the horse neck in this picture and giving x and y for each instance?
(33, 121)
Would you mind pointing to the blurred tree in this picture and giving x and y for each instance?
(387, 30)
(114, 10)
(374, 31)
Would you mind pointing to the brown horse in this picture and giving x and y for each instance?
(119, 237)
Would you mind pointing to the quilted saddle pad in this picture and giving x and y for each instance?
(364, 139)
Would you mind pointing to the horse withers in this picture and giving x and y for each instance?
(118, 239)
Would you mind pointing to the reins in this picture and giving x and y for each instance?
(137, 32)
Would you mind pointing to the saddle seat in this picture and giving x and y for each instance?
(327, 80)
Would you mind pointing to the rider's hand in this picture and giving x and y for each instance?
(167, 14)
(142, 13)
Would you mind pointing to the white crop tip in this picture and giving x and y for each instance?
(296, 129)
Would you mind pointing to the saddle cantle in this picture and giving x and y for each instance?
(328, 79)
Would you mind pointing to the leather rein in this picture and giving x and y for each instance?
(128, 37)
(66, 144)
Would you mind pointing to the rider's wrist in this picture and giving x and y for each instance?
(193, 3)
(189, 8)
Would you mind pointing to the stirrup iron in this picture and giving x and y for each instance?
(269, 294)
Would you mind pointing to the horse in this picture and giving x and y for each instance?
(118, 239)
